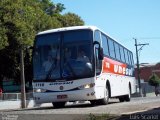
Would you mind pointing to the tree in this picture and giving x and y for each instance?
(20, 20)
(154, 80)
(71, 19)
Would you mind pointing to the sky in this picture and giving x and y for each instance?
(123, 20)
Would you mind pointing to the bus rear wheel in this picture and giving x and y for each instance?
(128, 97)
(121, 99)
(58, 104)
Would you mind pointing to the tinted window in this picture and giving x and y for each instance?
(129, 57)
(47, 39)
(97, 36)
(46, 52)
(126, 56)
(117, 51)
(105, 45)
(122, 54)
(78, 36)
(111, 48)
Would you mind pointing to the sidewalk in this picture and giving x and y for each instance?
(13, 104)
(144, 95)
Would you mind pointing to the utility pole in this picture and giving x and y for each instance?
(23, 93)
(138, 69)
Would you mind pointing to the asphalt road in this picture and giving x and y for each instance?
(79, 111)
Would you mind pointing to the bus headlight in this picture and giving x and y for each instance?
(38, 90)
(86, 86)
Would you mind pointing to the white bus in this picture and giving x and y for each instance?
(81, 63)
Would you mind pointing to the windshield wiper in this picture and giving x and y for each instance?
(68, 70)
(71, 69)
(53, 67)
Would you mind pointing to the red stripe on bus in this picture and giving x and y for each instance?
(112, 66)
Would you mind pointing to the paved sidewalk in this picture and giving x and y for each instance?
(10, 105)
(5, 105)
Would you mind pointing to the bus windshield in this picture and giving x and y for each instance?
(63, 55)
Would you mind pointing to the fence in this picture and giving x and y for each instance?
(15, 96)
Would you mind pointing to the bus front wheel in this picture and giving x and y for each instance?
(105, 100)
(58, 104)
(121, 99)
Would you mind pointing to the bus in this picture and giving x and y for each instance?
(81, 63)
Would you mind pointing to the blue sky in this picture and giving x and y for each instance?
(123, 20)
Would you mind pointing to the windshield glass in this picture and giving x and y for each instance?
(46, 57)
(63, 55)
(77, 59)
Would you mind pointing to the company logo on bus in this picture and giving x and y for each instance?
(61, 87)
(112, 66)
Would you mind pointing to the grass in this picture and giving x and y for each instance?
(101, 117)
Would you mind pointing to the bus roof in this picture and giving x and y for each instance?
(67, 28)
(73, 28)
(76, 28)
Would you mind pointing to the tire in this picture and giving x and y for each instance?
(105, 100)
(93, 102)
(58, 104)
(128, 97)
(121, 99)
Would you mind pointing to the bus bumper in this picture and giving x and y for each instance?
(78, 95)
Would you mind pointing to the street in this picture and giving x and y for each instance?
(145, 105)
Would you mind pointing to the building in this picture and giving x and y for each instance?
(146, 70)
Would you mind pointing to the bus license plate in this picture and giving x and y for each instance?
(61, 96)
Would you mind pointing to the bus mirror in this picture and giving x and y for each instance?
(100, 50)
(100, 53)
(96, 42)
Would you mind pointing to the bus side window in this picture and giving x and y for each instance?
(129, 57)
(105, 45)
(111, 48)
(126, 56)
(122, 54)
(97, 36)
(117, 51)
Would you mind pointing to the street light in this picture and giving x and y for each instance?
(138, 70)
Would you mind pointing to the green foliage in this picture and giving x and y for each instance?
(71, 19)
(20, 21)
(101, 117)
(3, 37)
(154, 80)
